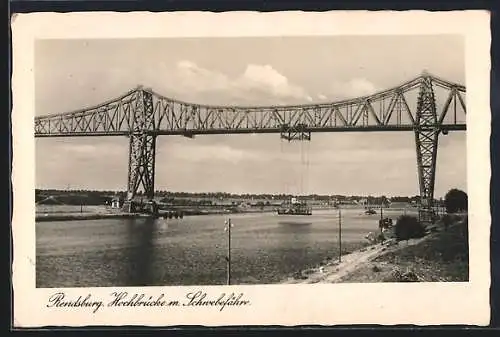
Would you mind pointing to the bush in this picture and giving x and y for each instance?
(447, 221)
(381, 237)
(455, 201)
(465, 229)
(408, 227)
(408, 276)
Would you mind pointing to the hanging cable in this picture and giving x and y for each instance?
(301, 192)
(307, 156)
(283, 175)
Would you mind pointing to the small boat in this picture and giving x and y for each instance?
(370, 211)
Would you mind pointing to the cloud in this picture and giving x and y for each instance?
(353, 88)
(96, 148)
(91, 163)
(193, 77)
(285, 155)
(267, 79)
(258, 84)
(80, 148)
(210, 153)
(362, 157)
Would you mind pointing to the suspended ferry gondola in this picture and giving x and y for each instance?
(370, 211)
(295, 207)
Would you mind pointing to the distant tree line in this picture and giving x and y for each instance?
(82, 199)
(224, 195)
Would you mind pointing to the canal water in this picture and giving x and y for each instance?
(265, 248)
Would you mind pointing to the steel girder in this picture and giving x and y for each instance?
(388, 110)
(297, 132)
(426, 139)
(141, 169)
(143, 114)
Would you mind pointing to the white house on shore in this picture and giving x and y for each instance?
(116, 202)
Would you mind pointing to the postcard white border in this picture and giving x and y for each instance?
(287, 305)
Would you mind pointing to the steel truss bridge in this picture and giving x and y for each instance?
(142, 115)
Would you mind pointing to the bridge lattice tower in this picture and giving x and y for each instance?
(142, 115)
(426, 139)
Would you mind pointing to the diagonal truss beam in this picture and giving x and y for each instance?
(388, 110)
(142, 146)
(426, 140)
(142, 115)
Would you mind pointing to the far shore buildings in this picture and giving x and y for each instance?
(117, 202)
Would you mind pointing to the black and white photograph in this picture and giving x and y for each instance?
(235, 161)
(298, 159)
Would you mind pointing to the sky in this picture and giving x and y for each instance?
(73, 74)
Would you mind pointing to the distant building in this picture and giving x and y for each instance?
(117, 202)
(244, 205)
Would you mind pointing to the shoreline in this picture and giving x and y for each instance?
(104, 213)
(335, 271)
(72, 216)
(83, 216)
(415, 260)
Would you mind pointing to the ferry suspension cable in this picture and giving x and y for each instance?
(307, 166)
(283, 176)
(304, 168)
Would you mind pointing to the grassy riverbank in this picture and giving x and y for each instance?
(439, 256)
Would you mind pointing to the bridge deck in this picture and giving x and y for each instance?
(188, 133)
(142, 110)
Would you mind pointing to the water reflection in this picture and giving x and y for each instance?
(141, 237)
(189, 251)
(293, 232)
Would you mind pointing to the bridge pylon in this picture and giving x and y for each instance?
(426, 138)
(142, 148)
(142, 115)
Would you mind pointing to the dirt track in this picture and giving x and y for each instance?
(334, 271)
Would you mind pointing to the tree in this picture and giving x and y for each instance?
(408, 227)
(455, 201)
